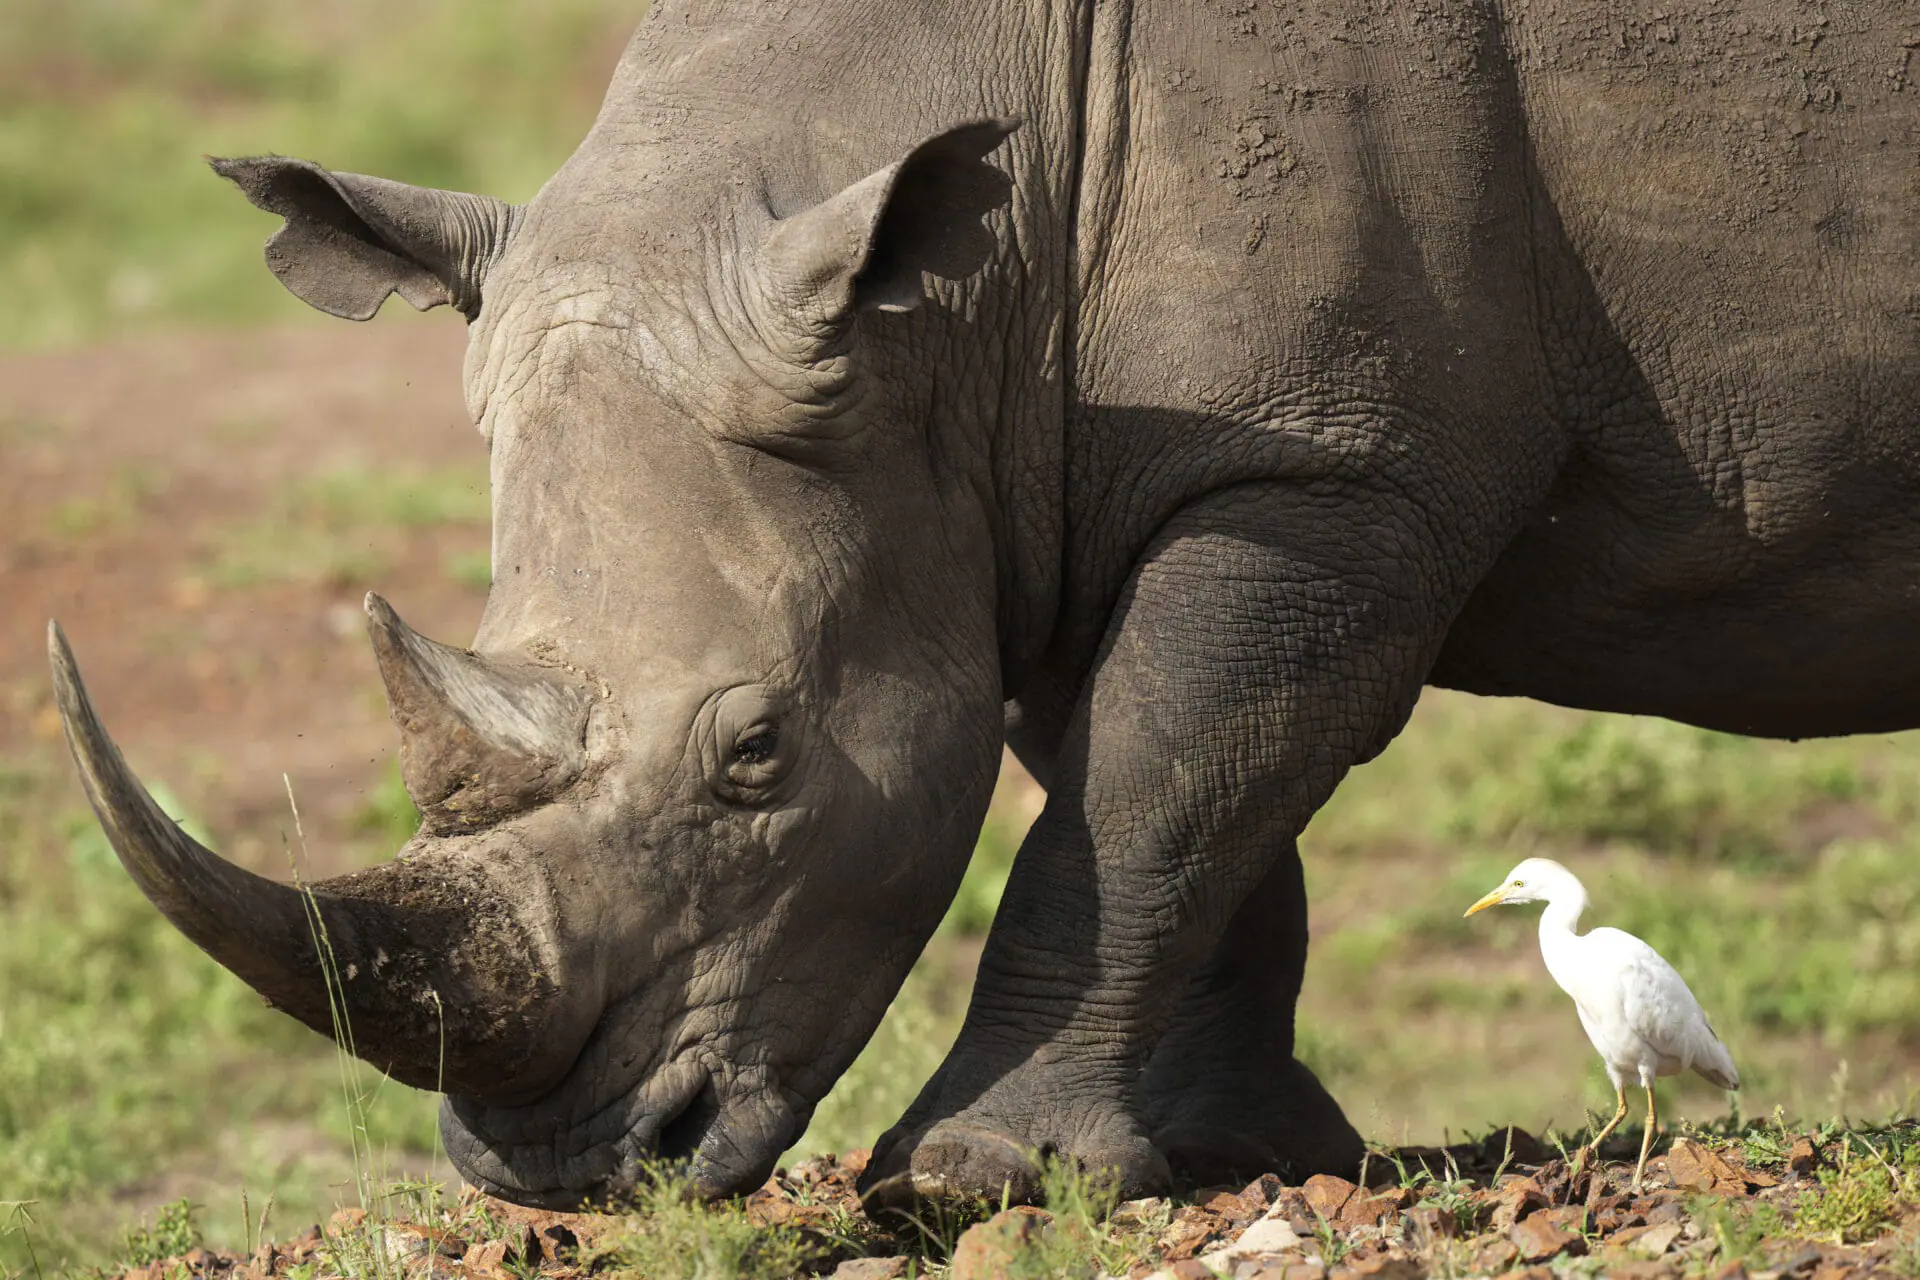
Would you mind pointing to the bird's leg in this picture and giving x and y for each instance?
(1593, 1148)
(1646, 1143)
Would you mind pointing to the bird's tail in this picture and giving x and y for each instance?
(1716, 1064)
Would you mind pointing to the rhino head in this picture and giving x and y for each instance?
(711, 771)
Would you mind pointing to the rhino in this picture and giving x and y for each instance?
(1168, 389)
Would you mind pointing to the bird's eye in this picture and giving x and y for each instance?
(757, 747)
(1519, 884)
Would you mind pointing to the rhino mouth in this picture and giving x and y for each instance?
(725, 1136)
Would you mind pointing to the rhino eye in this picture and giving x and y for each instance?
(757, 747)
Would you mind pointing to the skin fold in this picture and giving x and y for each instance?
(1169, 390)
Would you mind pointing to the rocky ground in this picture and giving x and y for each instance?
(1822, 1205)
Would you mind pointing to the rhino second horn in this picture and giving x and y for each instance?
(430, 971)
(479, 739)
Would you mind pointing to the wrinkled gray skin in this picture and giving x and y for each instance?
(1287, 357)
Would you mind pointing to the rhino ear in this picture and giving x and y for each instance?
(350, 240)
(866, 248)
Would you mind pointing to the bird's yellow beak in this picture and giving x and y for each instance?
(1493, 899)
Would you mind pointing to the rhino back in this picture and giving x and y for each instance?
(1732, 213)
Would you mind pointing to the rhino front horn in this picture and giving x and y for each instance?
(479, 738)
(423, 966)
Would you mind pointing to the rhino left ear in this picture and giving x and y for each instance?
(350, 239)
(866, 248)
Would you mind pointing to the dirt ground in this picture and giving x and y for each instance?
(126, 469)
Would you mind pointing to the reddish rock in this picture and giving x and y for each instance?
(346, 1220)
(1387, 1267)
(1263, 1190)
(1804, 1158)
(1326, 1195)
(1515, 1199)
(1496, 1257)
(1697, 1168)
(1539, 1237)
(1426, 1225)
(1236, 1209)
(1191, 1269)
(871, 1269)
(487, 1261)
(986, 1250)
(1192, 1229)
(854, 1163)
(1291, 1203)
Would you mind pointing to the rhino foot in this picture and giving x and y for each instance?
(1224, 1125)
(964, 1159)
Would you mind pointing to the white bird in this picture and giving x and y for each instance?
(1636, 1008)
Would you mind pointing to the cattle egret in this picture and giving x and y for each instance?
(1637, 1010)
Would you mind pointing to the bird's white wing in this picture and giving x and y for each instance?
(1659, 1008)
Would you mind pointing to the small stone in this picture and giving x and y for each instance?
(1539, 1237)
(1496, 1257)
(1268, 1235)
(401, 1244)
(1148, 1211)
(346, 1220)
(987, 1249)
(1192, 1269)
(1732, 1271)
(1263, 1190)
(854, 1163)
(558, 1243)
(1804, 1158)
(1652, 1242)
(487, 1260)
(1515, 1199)
(1388, 1267)
(1326, 1195)
(1189, 1233)
(1697, 1168)
(1426, 1225)
(870, 1269)
(1231, 1206)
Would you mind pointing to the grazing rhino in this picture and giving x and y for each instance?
(1282, 359)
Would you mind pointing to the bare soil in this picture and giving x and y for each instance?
(123, 468)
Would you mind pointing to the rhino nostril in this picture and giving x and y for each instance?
(680, 1137)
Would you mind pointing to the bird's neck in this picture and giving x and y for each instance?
(1563, 912)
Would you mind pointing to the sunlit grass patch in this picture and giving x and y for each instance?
(109, 219)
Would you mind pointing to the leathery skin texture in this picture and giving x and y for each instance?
(1170, 390)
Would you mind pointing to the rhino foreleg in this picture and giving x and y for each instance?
(1223, 1094)
(1270, 638)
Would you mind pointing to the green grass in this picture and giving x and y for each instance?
(128, 1060)
(109, 219)
(347, 525)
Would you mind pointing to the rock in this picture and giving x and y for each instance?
(1149, 1212)
(855, 1161)
(401, 1244)
(986, 1250)
(1539, 1237)
(1387, 1267)
(1263, 1190)
(558, 1243)
(346, 1221)
(1515, 1199)
(487, 1261)
(1804, 1158)
(1697, 1168)
(1370, 1210)
(870, 1269)
(1232, 1206)
(1192, 1269)
(1192, 1228)
(1326, 1195)
(1291, 1204)
(1496, 1257)
(1646, 1242)
(1426, 1225)
(1268, 1235)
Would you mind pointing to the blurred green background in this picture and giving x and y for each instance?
(1779, 878)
